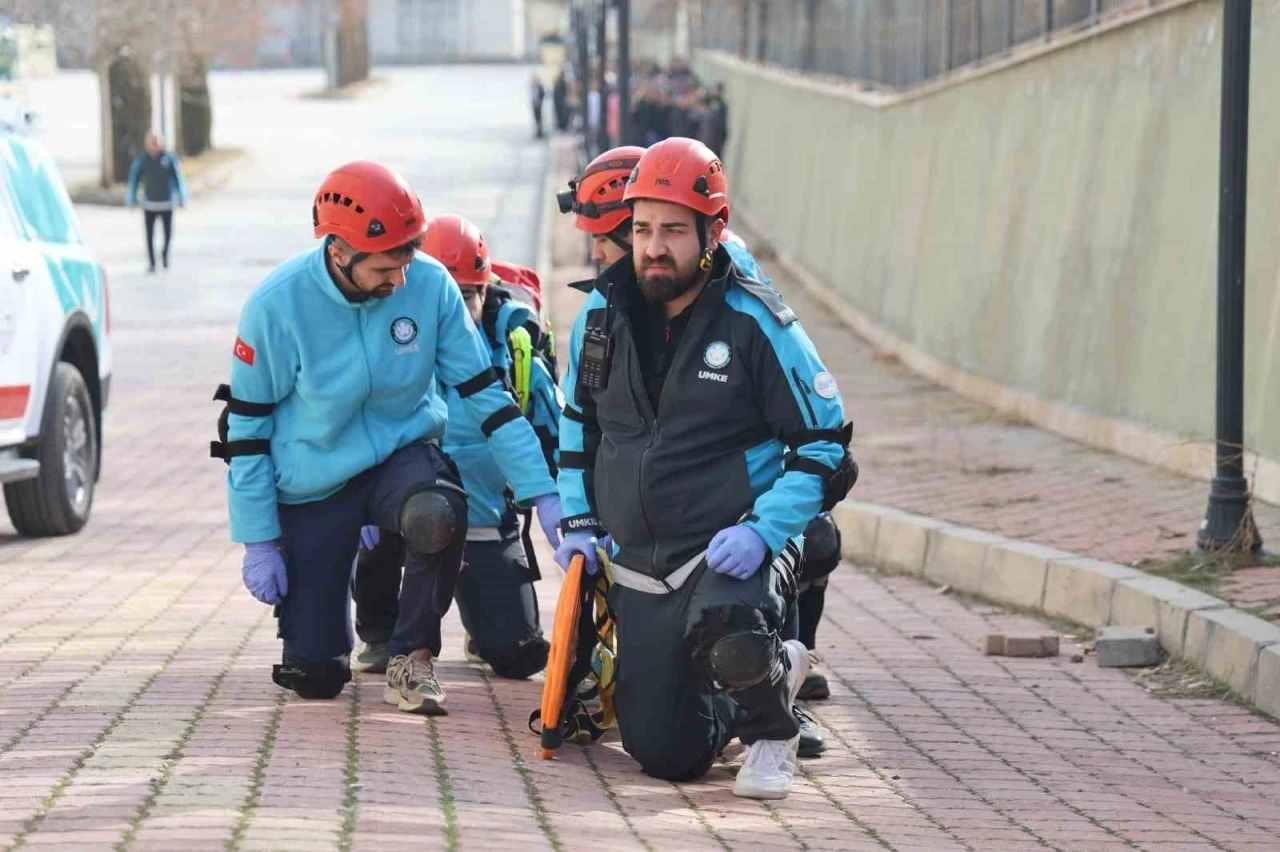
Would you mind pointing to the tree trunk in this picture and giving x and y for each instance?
(353, 41)
(106, 160)
(130, 87)
(195, 106)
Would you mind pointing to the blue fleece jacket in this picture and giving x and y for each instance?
(352, 382)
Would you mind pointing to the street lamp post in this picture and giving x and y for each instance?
(602, 102)
(1228, 522)
(624, 71)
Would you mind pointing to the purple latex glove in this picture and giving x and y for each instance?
(738, 551)
(550, 514)
(369, 537)
(579, 542)
(264, 572)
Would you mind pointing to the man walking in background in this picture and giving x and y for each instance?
(160, 177)
(537, 94)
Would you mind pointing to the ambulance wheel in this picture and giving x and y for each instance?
(57, 502)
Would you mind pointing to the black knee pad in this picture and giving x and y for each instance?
(524, 660)
(676, 768)
(432, 518)
(317, 680)
(821, 548)
(736, 647)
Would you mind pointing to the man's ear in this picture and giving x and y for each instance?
(714, 232)
(339, 251)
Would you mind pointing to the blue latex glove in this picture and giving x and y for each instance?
(369, 537)
(264, 572)
(738, 551)
(549, 515)
(579, 542)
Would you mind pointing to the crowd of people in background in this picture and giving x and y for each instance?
(665, 102)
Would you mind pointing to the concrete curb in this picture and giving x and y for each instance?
(1235, 647)
(544, 258)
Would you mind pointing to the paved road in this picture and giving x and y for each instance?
(136, 708)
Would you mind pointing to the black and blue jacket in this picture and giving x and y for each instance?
(749, 422)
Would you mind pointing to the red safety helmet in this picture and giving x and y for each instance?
(681, 171)
(369, 207)
(522, 280)
(597, 195)
(459, 245)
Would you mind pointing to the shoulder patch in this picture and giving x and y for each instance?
(771, 299)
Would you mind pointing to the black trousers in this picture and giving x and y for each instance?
(320, 537)
(672, 719)
(166, 222)
(495, 594)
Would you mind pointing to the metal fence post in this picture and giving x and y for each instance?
(602, 47)
(977, 30)
(946, 42)
(624, 71)
(924, 43)
(1008, 25)
(1048, 18)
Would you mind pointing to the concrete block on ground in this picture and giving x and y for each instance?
(1015, 572)
(1227, 644)
(958, 557)
(999, 645)
(1161, 603)
(1266, 688)
(902, 539)
(859, 525)
(1127, 646)
(1080, 589)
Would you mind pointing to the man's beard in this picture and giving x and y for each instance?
(660, 290)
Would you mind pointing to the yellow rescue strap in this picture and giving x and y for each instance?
(521, 366)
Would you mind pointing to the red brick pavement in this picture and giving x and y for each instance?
(137, 711)
(937, 747)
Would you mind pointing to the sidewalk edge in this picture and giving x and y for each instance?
(1233, 646)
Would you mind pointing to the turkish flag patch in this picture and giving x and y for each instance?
(244, 352)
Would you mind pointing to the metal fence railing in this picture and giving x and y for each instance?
(892, 42)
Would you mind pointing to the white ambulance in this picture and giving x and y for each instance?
(55, 352)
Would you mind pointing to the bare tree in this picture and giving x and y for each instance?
(129, 40)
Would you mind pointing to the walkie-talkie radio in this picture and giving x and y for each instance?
(597, 350)
(597, 354)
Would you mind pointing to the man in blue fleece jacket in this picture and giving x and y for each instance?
(333, 421)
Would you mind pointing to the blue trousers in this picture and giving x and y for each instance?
(320, 540)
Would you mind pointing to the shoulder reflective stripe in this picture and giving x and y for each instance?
(771, 299)
(805, 465)
(231, 449)
(239, 406)
(499, 418)
(477, 383)
(570, 460)
(574, 415)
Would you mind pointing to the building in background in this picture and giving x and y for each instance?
(27, 51)
(412, 32)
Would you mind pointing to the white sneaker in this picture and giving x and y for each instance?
(770, 765)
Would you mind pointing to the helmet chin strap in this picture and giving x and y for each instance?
(348, 269)
(618, 241)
